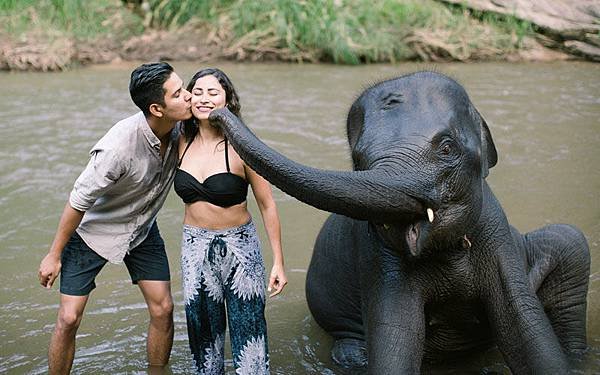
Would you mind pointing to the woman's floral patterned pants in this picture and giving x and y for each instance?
(224, 280)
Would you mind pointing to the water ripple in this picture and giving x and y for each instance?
(543, 118)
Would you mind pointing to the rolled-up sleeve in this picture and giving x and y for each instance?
(102, 172)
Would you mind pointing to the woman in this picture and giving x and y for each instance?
(221, 260)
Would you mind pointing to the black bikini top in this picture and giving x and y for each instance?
(223, 189)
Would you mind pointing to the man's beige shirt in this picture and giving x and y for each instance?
(123, 187)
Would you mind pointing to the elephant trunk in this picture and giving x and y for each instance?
(364, 195)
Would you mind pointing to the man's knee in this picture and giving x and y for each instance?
(162, 310)
(68, 320)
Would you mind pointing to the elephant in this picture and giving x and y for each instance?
(417, 261)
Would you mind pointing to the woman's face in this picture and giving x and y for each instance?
(207, 94)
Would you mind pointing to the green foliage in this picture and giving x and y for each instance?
(169, 14)
(78, 18)
(340, 31)
(357, 31)
(350, 31)
(509, 26)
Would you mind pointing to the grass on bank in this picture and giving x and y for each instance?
(339, 31)
(347, 31)
(79, 19)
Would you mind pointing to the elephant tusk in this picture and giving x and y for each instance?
(466, 242)
(430, 215)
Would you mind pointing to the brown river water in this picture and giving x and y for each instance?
(544, 117)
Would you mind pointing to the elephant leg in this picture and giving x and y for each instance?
(395, 333)
(560, 260)
(393, 316)
(333, 291)
(349, 353)
(522, 330)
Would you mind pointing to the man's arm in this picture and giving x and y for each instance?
(50, 265)
(100, 175)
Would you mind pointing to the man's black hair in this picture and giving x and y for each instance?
(146, 85)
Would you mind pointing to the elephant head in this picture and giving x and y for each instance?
(420, 152)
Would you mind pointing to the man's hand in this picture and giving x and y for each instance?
(50, 266)
(49, 270)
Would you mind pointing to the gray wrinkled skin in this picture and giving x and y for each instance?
(395, 289)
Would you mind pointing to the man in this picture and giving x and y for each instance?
(111, 215)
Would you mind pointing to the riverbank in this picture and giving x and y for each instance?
(61, 34)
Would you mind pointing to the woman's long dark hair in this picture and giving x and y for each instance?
(232, 100)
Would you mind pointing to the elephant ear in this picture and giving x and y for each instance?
(489, 156)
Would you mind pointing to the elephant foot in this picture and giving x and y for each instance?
(349, 353)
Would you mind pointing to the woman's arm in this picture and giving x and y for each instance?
(268, 210)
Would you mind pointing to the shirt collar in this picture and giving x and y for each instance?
(148, 133)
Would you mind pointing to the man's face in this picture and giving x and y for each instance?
(177, 100)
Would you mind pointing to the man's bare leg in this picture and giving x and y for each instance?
(62, 344)
(160, 331)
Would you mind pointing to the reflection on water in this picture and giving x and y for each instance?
(544, 119)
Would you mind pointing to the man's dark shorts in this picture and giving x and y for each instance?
(81, 264)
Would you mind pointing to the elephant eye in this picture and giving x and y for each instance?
(446, 148)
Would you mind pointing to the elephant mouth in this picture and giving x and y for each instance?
(412, 237)
(415, 236)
